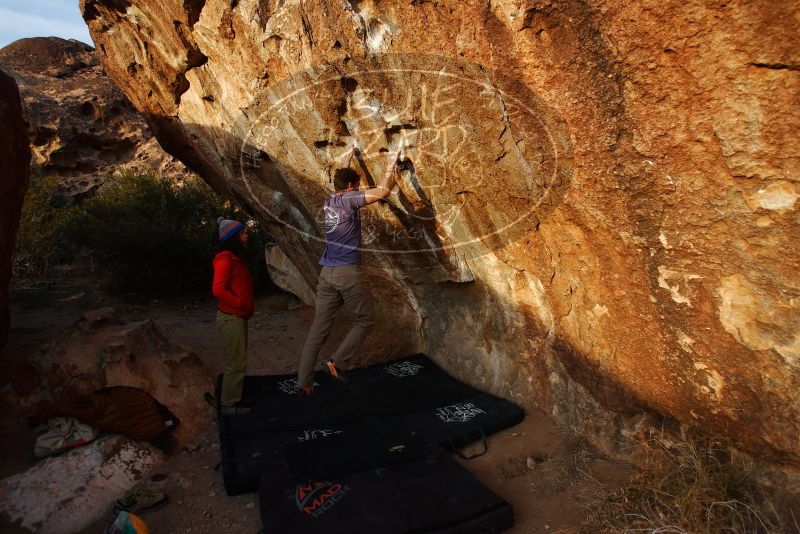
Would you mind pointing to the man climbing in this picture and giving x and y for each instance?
(340, 281)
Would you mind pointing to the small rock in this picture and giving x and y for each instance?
(531, 463)
(212, 494)
(251, 505)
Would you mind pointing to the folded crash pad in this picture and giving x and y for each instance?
(429, 494)
(455, 424)
(407, 385)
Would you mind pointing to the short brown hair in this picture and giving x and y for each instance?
(344, 177)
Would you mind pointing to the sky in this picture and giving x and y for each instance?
(41, 18)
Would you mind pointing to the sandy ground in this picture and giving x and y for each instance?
(540, 469)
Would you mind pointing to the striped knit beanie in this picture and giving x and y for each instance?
(227, 228)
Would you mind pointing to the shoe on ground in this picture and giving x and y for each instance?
(140, 500)
(336, 373)
(306, 392)
(236, 409)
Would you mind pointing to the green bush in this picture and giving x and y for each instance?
(40, 240)
(148, 234)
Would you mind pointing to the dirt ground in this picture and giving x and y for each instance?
(541, 470)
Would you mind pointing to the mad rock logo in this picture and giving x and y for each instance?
(402, 369)
(309, 435)
(458, 413)
(316, 498)
(290, 387)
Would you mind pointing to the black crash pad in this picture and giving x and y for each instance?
(407, 385)
(357, 447)
(245, 457)
(344, 428)
(317, 452)
(431, 494)
(279, 407)
(455, 424)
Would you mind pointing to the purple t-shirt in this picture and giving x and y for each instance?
(342, 227)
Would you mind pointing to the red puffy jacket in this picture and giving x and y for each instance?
(232, 285)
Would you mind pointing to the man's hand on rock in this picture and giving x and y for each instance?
(347, 156)
(393, 155)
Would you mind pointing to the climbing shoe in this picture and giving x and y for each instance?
(338, 374)
(140, 500)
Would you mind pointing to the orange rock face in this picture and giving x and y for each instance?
(15, 156)
(597, 209)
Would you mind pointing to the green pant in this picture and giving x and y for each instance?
(234, 331)
(337, 286)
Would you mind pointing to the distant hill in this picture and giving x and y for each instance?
(82, 128)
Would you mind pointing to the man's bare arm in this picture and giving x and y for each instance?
(347, 157)
(382, 191)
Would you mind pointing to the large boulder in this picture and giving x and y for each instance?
(82, 128)
(285, 275)
(15, 157)
(597, 214)
(99, 351)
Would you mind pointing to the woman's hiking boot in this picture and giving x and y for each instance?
(236, 409)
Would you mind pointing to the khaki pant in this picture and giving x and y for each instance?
(234, 332)
(336, 286)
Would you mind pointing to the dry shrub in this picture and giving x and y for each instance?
(140, 233)
(569, 472)
(698, 485)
